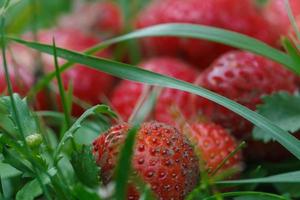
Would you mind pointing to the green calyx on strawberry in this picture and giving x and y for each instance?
(163, 158)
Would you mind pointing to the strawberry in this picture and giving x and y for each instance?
(163, 158)
(127, 93)
(104, 18)
(89, 85)
(275, 12)
(228, 14)
(214, 144)
(20, 79)
(244, 78)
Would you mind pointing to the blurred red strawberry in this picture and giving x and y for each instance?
(103, 18)
(163, 158)
(244, 78)
(20, 78)
(126, 95)
(89, 85)
(228, 14)
(214, 144)
(276, 13)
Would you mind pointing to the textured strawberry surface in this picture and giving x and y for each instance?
(126, 95)
(163, 158)
(228, 14)
(214, 144)
(244, 78)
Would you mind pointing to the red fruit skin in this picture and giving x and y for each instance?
(214, 144)
(244, 78)
(228, 14)
(20, 64)
(104, 18)
(276, 14)
(20, 79)
(89, 85)
(163, 158)
(126, 95)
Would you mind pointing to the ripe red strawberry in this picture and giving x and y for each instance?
(104, 18)
(127, 93)
(214, 144)
(20, 79)
(163, 158)
(89, 85)
(229, 14)
(276, 13)
(244, 78)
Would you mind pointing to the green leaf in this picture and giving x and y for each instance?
(83, 193)
(123, 167)
(248, 196)
(7, 118)
(283, 109)
(32, 189)
(89, 131)
(287, 188)
(291, 177)
(98, 109)
(129, 72)
(7, 171)
(85, 167)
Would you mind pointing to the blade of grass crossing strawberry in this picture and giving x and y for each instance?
(16, 114)
(237, 149)
(189, 31)
(292, 18)
(123, 167)
(208, 33)
(133, 73)
(292, 51)
(61, 88)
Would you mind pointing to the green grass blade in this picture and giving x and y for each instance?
(291, 177)
(61, 87)
(123, 168)
(133, 73)
(292, 51)
(190, 31)
(211, 34)
(292, 17)
(248, 195)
